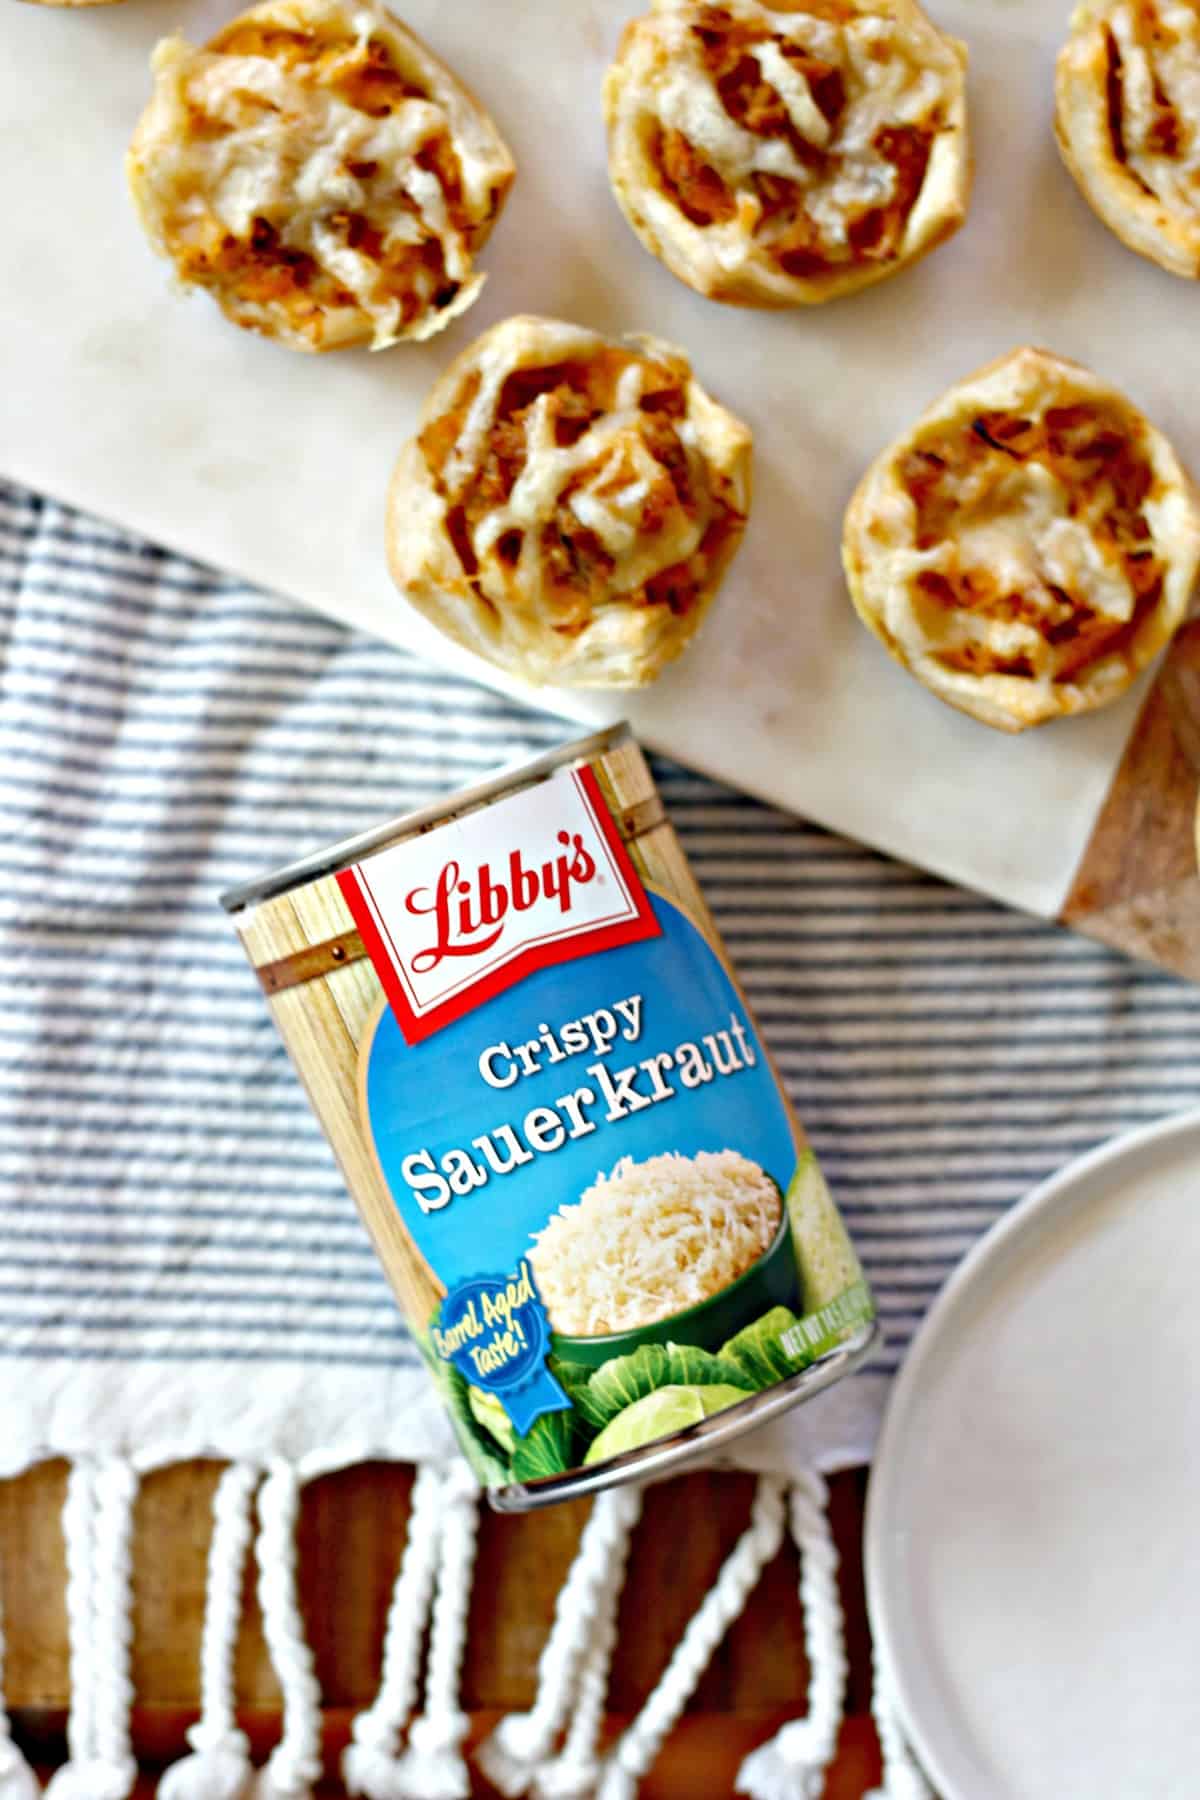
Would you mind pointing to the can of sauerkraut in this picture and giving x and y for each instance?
(515, 1019)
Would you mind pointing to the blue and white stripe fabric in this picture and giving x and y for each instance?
(167, 1199)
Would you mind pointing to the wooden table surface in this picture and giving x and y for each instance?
(351, 1536)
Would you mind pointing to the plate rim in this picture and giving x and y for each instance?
(1068, 1183)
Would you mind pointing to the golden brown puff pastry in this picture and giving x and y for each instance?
(569, 504)
(321, 173)
(780, 156)
(1029, 546)
(1127, 116)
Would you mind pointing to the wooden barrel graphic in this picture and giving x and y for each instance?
(325, 997)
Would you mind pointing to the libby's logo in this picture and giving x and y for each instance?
(469, 911)
(458, 915)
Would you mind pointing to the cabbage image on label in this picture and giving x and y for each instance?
(569, 1142)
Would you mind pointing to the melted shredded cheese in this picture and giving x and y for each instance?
(610, 481)
(891, 81)
(652, 1239)
(1037, 562)
(569, 504)
(1159, 50)
(1029, 546)
(279, 136)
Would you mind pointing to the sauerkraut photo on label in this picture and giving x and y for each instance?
(654, 1238)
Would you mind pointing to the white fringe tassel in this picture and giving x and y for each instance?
(219, 1767)
(902, 1777)
(295, 1763)
(97, 1527)
(519, 1749)
(575, 1771)
(370, 1765)
(640, 1744)
(573, 1671)
(17, 1779)
(78, 1509)
(792, 1765)
(433, 1767)
(112, 1618)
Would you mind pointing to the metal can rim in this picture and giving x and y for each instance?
(679, 1450)
(352, 849)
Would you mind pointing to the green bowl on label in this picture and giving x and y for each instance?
(774, 1280)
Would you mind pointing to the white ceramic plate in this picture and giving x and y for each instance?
(1033, 1528)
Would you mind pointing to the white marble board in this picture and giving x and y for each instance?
(121, 395)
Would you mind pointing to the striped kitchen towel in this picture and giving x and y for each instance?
(181, 1271)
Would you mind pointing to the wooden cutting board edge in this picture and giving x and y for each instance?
(1137, 888)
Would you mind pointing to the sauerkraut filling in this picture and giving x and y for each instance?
(653, 1239)
(302, 174)
(817, 137)
(582, 479)
(1153, 76)
(1034, 552)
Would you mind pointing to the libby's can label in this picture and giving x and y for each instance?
(516, 1021)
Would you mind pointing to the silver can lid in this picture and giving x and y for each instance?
(353, 849)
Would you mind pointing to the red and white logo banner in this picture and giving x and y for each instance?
(459, 914)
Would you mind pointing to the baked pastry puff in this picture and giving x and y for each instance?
(1128, 123)
(783, 155)
(569, 503)
(320, 173)
(1028, 546)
